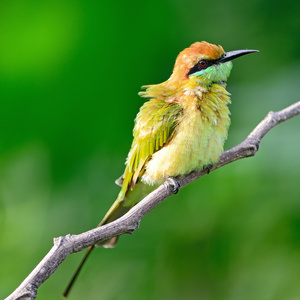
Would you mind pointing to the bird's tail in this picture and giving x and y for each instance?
(115, 212)
(120, 207)
(75, 275)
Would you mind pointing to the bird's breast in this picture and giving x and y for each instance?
(196, 143)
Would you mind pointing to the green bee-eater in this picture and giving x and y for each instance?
(181, 128)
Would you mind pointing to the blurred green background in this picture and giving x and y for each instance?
(70, 72)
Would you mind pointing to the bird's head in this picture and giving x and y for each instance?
(204, 62)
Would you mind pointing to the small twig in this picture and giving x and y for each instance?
(64, 246)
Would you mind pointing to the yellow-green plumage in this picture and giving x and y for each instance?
(198, 138)
(181, 128)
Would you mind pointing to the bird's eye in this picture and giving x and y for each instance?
(203, 63)
(200, 65)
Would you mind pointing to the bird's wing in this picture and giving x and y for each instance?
(154, 127)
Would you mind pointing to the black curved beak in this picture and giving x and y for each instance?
(234, 54)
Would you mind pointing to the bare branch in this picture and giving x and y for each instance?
(64, 246)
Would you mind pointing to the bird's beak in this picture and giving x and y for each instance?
(234, 54)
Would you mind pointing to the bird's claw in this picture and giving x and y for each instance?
(174, 184)
(208, 168)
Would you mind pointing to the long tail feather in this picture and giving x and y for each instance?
(120, 207)
(67, 290)
(115, 212)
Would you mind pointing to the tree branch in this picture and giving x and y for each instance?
(64, 246)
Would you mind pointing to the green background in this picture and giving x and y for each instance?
(70, 72)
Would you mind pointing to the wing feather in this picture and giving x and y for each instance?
(154, 126)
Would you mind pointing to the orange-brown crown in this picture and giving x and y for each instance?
(187, 58)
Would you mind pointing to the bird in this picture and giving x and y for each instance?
(181, 128)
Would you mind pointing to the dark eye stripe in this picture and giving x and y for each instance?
(201, 65)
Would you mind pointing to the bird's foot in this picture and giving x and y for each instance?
(174, 184)
(208, 168)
